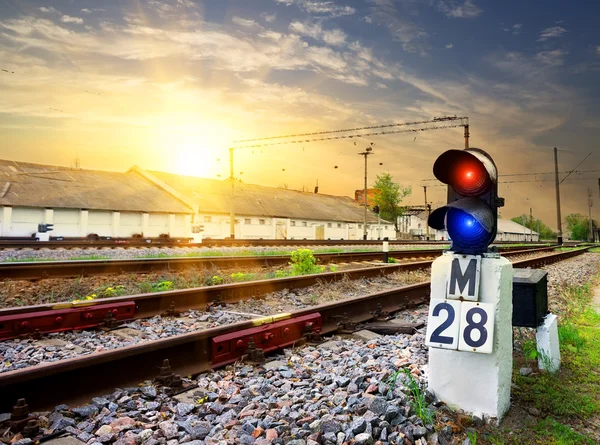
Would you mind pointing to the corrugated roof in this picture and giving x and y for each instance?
(36, 185)
(212, 196)
(508, 226)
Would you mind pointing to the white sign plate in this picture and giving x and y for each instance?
(476, 327)
(463, 279)
(443, 323)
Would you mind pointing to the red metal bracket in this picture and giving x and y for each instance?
(230, 347)
(58, 320)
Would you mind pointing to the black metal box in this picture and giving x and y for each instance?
(530, 297)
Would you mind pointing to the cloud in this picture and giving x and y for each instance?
(386, 14)
(324, 8)
(552, 32)
(466, 10)
(86, 10)
(551, 58)
(198, 41)
(70, 19)
(598, 50)
(48, 10)
(449, 46)
(516, 29)
(269, 18)
(246, 23)
(334, 37)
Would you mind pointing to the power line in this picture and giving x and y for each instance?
(463, 121)
(528, 180)
(534, 174)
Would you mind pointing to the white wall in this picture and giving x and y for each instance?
(23, 221)
(100, 222)
(249, 227)
(66, 222)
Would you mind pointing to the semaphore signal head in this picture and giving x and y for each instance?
(471, 214)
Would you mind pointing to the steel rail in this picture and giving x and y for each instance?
(156, 303)
(28, 243)
(77, 379)
(36, 270)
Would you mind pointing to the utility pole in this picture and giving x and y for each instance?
(558, 217)
(524, 221)
(428, 207)
(231, 197)
(367, 152)
(591, 225)
(530, 224)
(466, 136)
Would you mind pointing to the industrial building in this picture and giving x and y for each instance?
(81, 202)
(415, 226)
(268, 212)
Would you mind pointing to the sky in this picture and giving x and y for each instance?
(170, 85)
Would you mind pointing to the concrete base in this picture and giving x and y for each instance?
(472, 381)
(547, 344)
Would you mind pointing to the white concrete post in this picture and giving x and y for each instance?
(83, 222)
(145, 224)
(476, 382)
(6, 221)
(116, 223)
(547, 344)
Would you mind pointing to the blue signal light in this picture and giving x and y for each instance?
(467, 234)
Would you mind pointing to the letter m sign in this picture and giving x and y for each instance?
(463, 282)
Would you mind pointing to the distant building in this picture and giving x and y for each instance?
(415, 226)
(268, 212)
(83, 202)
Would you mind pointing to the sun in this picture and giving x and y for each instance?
(194, 160)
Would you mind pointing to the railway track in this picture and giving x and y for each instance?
(31, 244)
(36, 270)
(77, 379)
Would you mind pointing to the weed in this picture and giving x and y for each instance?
(214, 280)
(530, 349)
(333, 268)
(281, 274)
(304, 262)
(418, 395)
(241, 276)
(472, 435)
(392, 260)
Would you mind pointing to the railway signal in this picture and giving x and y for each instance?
(469, 329)
(471, 214)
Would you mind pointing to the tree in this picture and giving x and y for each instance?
(578, 225)
(388, 196)
(544, 231)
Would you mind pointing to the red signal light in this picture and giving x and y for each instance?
(469, 178)
(465, 173)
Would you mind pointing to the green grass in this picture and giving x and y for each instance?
(572, 395)
(565, 249)
(595, 250)
(75, 258)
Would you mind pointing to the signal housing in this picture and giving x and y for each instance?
(471, 213)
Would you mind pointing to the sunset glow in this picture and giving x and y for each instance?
(168, 85)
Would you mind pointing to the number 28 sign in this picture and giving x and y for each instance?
(462, 325)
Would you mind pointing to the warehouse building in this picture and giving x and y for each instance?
(268, 212)
(81, 202)
(414, 226)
